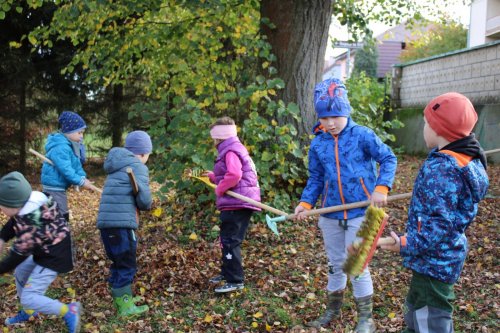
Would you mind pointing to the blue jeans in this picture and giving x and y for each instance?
(121, 246)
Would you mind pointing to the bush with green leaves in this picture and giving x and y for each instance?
(370, 101)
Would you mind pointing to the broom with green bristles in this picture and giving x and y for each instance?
(369, 232)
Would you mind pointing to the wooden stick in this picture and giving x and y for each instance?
(255, 203)
(386, 241)
(45, 159)
(243, 198)
(40, 156)
(492, 151)
(349, 206)
(133, 181)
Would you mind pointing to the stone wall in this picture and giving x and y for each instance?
(474, 72)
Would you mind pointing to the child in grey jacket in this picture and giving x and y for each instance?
(118, 216)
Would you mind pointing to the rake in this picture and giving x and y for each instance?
(45, 159)
(272, 221)
(198, 175)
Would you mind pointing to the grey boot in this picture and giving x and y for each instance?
(365, 320)
(333, 310)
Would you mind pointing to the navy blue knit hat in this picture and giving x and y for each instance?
(138, 142)
(70, 122)
(330, 99)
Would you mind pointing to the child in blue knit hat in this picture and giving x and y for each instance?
(118, 218)
(342, 169)
(66, 152)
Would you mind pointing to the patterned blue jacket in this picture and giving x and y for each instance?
(444, 203)
(119, 204)
(67, 169)
(343, 169)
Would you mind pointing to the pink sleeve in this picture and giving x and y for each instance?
(233, 174)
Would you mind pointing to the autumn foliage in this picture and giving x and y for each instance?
(285, 277)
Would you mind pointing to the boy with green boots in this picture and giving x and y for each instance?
(118, 217)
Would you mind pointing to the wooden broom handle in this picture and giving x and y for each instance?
(386, 241)
(133, 181)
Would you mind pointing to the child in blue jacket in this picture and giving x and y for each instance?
(118, 216)
(343, 160)
(65, 150)
(447, 190)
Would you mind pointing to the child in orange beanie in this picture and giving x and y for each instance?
(447, 190)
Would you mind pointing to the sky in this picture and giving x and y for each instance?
(459, 11)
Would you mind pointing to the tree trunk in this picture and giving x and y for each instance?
(299, 42)
(22, 128)
(117, 116)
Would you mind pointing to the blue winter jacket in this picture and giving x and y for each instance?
(343, 169)
(67, 169)
(119, 205)
(444, 203)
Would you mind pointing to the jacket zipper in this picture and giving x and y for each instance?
(337, 162)
(364, 187)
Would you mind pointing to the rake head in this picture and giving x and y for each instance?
(271, 223)
(197, 174)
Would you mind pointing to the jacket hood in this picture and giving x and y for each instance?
(118, 158)
(474, 175)
(56, 139)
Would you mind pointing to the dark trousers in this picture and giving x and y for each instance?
(428, 306)
(234, 225)
(120, 245)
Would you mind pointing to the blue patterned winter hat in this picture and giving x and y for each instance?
(70, 122)
(330, 99)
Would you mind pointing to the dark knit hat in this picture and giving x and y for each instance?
(71, 122)
(330, 99)
(14, 190)
(138, 142)
(451, 116)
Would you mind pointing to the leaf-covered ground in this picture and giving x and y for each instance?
(285, 277)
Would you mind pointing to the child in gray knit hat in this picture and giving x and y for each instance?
(118, 219)
(41, 250)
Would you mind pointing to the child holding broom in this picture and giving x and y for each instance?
(41, 250)
(342, 168)
(447, 190)
(233, 170)
(117, 218)
(65, 150)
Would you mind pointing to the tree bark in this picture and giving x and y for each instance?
(299, 42)
(117, 116)
(22, 128)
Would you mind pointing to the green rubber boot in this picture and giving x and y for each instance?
(333, 310)
(125, 302)
(365, 320)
